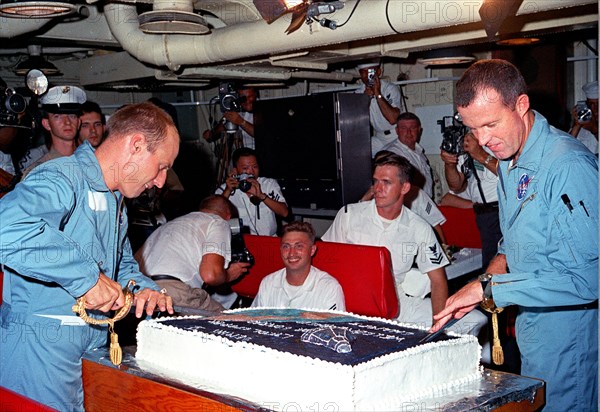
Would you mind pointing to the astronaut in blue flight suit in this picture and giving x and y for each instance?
(548, 260)
(63, 236)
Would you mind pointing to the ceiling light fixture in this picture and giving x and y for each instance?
(36, 61)
(271, 10)
(172, 22)
(36, 9)
(173, 17)
(518, 41)
(303, 11)
(494, 13)
(445, 57)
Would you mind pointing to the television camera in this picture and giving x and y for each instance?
(239, 251)
(453, 134)
(230, 101)
(12, 105)
(453, 139)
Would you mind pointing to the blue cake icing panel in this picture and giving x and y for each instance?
(282, 329)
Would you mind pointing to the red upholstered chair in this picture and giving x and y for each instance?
(364, 272)
(460, 228)
(12, 401)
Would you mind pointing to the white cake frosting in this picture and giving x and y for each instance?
(279, 380)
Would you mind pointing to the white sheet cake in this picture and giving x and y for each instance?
(304, 360)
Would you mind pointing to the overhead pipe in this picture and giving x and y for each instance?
(13, 27)
(258, 38)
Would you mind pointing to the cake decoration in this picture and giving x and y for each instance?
(332, 337)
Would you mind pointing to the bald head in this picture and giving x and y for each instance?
(218, 205)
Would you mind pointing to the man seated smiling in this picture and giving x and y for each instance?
(299, 284)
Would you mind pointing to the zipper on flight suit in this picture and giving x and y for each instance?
(117, 231)
(520, 209)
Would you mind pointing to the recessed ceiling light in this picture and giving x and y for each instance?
(445, 57)
(36, 9)
(519, 41)
(445, 61)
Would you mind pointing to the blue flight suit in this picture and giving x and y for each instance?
(551, 247)
(59, 228)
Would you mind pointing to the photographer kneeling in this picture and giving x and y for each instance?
(258, 199)
(471, 172)
(192, 252)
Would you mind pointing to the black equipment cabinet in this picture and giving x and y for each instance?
(318, 147)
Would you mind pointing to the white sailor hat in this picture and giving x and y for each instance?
(368, 65)
(591, 90)
(63, 99)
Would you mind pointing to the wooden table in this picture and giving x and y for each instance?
(128, 387)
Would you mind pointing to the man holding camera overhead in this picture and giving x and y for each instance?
(384, 106)
(258, 199)
(471, 173)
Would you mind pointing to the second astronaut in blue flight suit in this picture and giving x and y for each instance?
(548, 260)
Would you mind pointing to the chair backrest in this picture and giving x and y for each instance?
(460, 228)
(12, 401)
(364, 272)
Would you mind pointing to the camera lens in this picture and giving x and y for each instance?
(244, 185)
(15, 103)
(584, 115)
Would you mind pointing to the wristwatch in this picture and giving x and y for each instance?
(488, 159)
(262, 199)
(379, 96)
(486, 285)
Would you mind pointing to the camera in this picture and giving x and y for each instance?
(11, 105)
(239, 252)
(229, 98)
(371, 77)
(453, 134)
(244, 185)
(584, 113)
(230, 101)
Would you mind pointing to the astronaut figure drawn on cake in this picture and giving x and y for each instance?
(332, 337)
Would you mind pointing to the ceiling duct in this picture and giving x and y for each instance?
(173, 17)
(257, 38)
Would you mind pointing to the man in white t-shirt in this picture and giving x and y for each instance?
(299, 285)
(384, 107)
(409, 130)
(185, 253)
(258, 199)
(385, 221)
